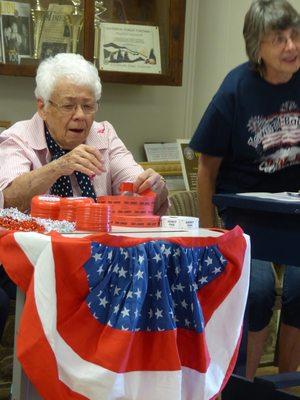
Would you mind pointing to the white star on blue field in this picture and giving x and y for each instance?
(151, 286)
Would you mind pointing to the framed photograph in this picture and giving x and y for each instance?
(129, 48)
(56, 35)
(50, 49)
(15, 30)
(189, 164)
(4, 125)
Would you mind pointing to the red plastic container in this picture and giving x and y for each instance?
(68, 206)
(44, 206)
(93, 217)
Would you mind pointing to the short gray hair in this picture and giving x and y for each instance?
(66, 66)
(263, 17)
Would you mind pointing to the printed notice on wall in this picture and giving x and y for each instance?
(129, 48)
(161, 151)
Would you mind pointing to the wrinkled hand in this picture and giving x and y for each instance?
(149, 179)
(83, 158)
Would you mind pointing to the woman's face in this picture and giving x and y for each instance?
(280, 52)
(14, 27)
(68, 128)
(8, 32)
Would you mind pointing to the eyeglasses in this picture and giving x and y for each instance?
(279, 40)
(70, 108)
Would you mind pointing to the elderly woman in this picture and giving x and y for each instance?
(62, 150)
(249, 142)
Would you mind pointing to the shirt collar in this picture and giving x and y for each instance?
(35, 133)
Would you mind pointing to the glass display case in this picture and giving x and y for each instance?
(130, 41)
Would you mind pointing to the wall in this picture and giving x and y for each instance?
(213, 45)
(139, 113)
(220, 47)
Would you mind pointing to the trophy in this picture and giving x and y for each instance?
(38, 18)
(99, 10)
(75, 22)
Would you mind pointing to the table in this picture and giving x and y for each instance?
(274, 227)
(180, 361)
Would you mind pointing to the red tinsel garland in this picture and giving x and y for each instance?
(26, 226)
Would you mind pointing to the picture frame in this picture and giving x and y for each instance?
(16, 31)
(4, 125)
(50, 49)
(189, 163)
(129, 48)
(56, 35)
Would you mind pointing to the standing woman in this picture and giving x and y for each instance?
(249, 140)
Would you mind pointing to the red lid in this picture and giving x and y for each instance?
(44, 198)
(74, 201)
(126, 187)
(45, 206)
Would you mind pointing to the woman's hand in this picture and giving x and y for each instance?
(149, 179)
(83, 158)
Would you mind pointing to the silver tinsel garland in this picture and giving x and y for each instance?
(47, 224)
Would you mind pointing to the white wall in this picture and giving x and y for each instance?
(220, 47)
(143, 113)
(213, 45)
(138, 113)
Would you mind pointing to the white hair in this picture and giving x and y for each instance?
(64, 66)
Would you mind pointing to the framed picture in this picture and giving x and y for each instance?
(50, 49)
(4, 125)
(15, 30)
(129, 48)
(56, 35)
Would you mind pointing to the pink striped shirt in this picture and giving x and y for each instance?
(23, 148)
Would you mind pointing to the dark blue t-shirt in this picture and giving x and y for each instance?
(255, 127)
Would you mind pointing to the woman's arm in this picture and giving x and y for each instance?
(83, 158)
(208, 168)
(21, 190)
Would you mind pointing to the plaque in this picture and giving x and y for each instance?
(129, 48)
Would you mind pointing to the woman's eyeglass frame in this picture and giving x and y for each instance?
(279, 40)
(70, 108)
